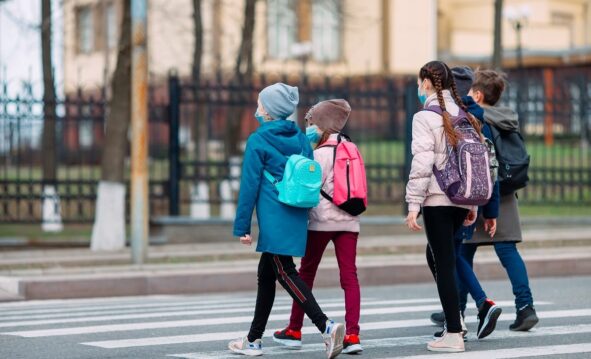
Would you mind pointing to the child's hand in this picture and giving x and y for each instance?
(246, 239)
(470, 218)
(490, 226)
(411, 221)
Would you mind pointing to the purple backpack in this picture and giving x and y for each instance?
(466, 177)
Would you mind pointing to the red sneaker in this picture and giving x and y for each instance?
(351, 344)
(290, 338)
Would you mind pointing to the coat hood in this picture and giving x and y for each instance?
(503, 118)
(283, 135)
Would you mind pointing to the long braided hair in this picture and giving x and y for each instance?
(441, 77)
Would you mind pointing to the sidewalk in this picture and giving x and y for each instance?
(230, 266)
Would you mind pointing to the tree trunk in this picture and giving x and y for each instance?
(200, 126)
(200, 206)
(117, 121)
(497, 62)
(51, 208)
(109, 227)
(242, 80)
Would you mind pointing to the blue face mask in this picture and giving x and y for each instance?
(313, 135)
(259, 117)
(422, 97)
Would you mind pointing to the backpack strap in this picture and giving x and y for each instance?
(437, 109)
(270, 177)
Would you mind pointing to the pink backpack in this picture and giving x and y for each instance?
(350, 184)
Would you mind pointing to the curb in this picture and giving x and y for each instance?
(371, 272)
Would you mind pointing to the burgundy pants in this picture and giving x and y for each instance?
(345, 244)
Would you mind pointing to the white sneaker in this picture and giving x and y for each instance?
(244, 347)
(449, 342)
(333, 336)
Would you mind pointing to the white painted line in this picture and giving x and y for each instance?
(246, 307)
(510, 353)
(138, 304)
(185, 323)
(210, 321)
(195, 338)
(395, 342)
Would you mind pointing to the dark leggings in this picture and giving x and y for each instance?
(441, 223)
(274, 267)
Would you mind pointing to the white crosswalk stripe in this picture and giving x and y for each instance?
(395, 342)
(169, 323)
(397, 324)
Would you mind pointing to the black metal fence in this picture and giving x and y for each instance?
(191, 172)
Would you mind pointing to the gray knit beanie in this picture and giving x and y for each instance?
(279, 100)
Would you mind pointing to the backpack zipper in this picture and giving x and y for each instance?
(348, 184)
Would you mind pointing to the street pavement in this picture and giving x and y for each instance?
(394, 324)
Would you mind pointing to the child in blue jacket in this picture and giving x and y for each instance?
(282, 228)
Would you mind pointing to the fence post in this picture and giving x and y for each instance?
(173, 141)
(410, 107)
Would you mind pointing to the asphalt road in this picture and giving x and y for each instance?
(394, 324)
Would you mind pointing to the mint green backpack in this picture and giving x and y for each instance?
(301, 183)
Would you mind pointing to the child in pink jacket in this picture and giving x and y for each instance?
(328, 223)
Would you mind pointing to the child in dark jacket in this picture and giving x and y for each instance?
(283, 229)
(487, 90)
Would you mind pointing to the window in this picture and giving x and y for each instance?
(326, 30)
(85, 128)
(111, 20)
(85, 30)
(281, 28)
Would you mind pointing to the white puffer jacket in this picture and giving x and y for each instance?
(428, 147)
(327, 217)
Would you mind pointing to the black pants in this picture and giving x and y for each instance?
(441, 224)
(274, 267)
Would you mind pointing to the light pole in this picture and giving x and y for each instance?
(517, 17)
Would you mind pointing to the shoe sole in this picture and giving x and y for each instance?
(289, 344)
(464, 335)
(244, 352)
(445, 350)
(337, 336)
(352, 349)
(527, 324)
(490, 322)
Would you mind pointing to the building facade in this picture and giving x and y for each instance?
(326, 37)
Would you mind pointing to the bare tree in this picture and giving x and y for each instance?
(243, 72)
(109, 227)
(200, 133)
(51, 215)
(497, 61)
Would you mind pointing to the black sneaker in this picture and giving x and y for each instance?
(438, 318)
(525, 320)
(488, 313)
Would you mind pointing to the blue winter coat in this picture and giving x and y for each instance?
(282, 228)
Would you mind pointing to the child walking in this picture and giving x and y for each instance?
(488, 311)
(432, 135)
(328, 223)
(282, 228)
(486, 90)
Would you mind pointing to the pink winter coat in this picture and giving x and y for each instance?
(327, 217)
(429, 147)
